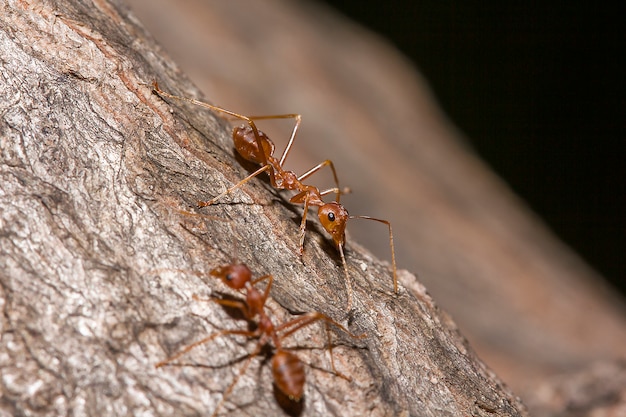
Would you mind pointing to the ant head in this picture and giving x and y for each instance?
(235, 276)
(333, 217)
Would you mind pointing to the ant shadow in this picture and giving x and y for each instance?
(290, 407)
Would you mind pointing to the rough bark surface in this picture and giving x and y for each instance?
(97, 262)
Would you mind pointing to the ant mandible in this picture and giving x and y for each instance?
(287, 368)
(255, 146)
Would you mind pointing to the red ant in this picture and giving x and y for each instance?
(255, 146)
(287, 368)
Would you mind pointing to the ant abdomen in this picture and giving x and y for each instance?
(247, 144)
(288, 372)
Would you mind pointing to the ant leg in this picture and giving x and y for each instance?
(266, 293)
(297, 117)
(203, 341)
(348, 279)
(302, 198)
(156, 89)
(330, 352)
(287, 149)
(303, 226)
(337, 191)
(310, 318)
(172, 207)
(239, 305)
(243, 369)
(391, 246)
(263, 278)
(318, 167)
(234, 187)
(292, 138)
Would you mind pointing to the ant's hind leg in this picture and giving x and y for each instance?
(298, 323)
(156, 89)
(202, 342)
(298, 118)
(292, 138)
(234, 187)
(242, 371)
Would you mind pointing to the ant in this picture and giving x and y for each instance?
(287, 368)
(255, 146)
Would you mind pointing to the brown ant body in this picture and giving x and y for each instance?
(287, 368)
(255, 146)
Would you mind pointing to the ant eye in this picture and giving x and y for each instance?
(229, 277)
(331, 217)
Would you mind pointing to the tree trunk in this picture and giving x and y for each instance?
(528, 305)
(100, 262)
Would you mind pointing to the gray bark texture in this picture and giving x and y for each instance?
(100, 255)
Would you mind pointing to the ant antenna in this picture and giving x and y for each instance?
(391, 247)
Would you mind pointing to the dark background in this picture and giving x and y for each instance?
(539, 89)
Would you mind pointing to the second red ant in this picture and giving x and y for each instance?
(287, 368)
(255, 146)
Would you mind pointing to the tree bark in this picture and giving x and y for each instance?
(99, 264)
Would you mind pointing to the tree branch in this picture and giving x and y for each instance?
(529, 306)
(97, 259)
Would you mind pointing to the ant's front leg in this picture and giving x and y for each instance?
(302, 198)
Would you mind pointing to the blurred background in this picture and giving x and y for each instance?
(539, 90)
